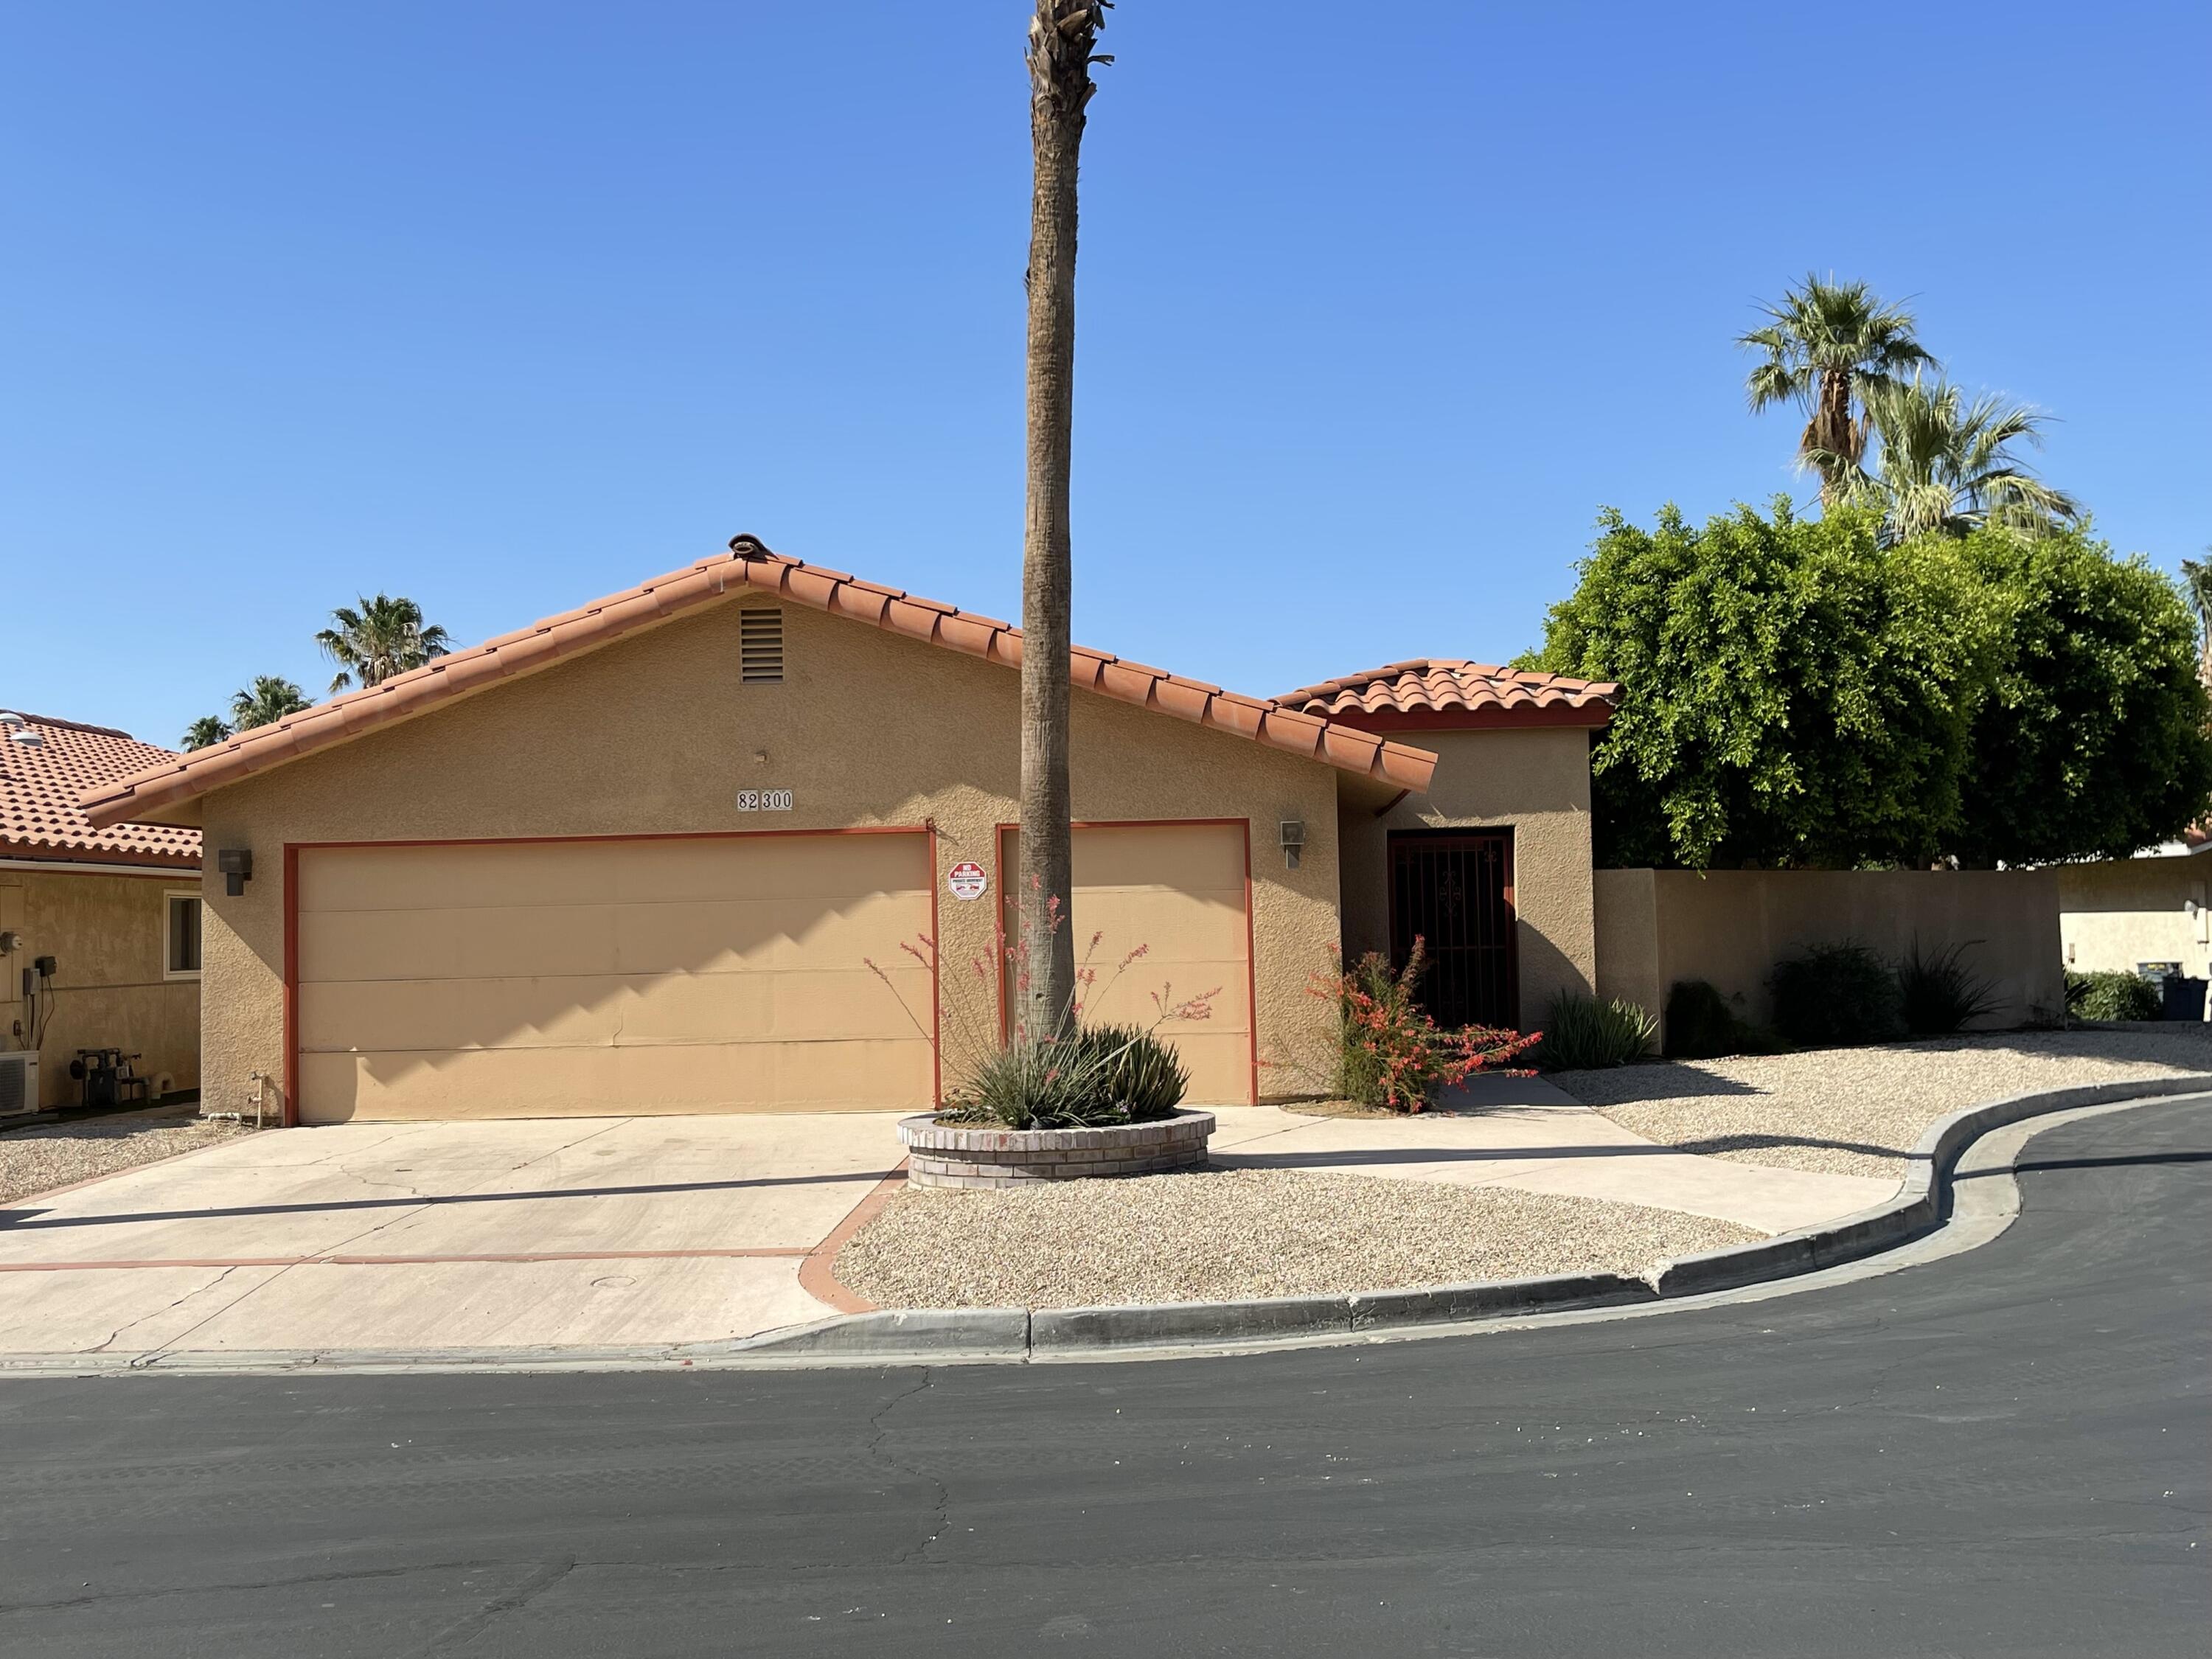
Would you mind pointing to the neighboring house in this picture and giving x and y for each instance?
(739, 839)
(2123, 914)
(113, 909)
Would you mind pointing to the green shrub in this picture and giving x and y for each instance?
(1837, 995)
(1700, 1025)
(1096, 1078)
(1940, 994)
(2112, 995)
(1581, 1033)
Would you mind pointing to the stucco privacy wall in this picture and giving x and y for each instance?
(655, 733)
(1731, 927)
(1537, 782)
(2115, 915)
(106, 936)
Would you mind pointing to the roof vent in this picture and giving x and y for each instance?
(760, 645)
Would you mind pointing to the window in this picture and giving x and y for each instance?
(760, 645)
(181, 937)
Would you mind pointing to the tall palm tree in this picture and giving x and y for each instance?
(1061, 36)
(385, 637)
(207, 730)
(2196, 583)
(1828, 346)
(269, 698)
(1947, 465)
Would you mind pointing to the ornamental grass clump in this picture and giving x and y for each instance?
(1582, 1033)
(1096, 1076)
(1941, 993)
(1390, 1052)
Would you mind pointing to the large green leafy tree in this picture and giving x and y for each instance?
(2091, 743)
(1794, 693)
(1825, 348)
(1798, 693)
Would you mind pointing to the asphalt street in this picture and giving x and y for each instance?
(2004, 1452)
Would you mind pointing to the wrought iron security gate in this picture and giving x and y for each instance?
(1454, 890)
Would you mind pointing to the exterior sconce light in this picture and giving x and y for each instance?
(235, 865)
(1293, 838)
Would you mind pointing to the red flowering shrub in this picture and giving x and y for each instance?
(1389, 1052)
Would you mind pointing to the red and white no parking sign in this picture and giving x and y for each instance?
(966, 880)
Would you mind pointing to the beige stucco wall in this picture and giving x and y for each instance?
(655, 733)
(105, 934)
(1731, 927)
(2117, 915)
(1538, 783)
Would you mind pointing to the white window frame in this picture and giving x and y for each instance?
(168, 939)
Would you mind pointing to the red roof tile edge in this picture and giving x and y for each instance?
(1443, 684)
(748, 565)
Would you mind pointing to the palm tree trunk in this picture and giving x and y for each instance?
(1832, 431)
(1061, 36)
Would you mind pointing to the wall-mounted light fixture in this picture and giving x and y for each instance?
(235, 865)
(1293, 838)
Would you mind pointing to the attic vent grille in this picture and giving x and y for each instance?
(760, 646)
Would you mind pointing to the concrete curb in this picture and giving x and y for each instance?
(1919, 1205)
(1003, 1335)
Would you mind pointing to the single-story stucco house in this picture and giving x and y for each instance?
(736, 839)
(100, 935)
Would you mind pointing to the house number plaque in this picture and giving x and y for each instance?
(763, 800)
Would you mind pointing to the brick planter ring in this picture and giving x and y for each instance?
(978, 1155)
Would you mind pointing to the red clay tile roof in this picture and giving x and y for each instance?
(749, 566)
(1444, 685)
(40, 783)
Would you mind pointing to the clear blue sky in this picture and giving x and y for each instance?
(507, 306)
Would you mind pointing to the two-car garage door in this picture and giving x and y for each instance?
(588, 978)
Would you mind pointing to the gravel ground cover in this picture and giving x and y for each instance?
(50, 1155)
(1860, 1111)
(1224, 1234)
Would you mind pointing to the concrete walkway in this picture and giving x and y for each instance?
(1522, 1132)
(645, 1232)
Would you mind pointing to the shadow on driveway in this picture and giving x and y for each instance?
(12, 1221)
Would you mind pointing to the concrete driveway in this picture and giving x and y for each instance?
(575, 1232)
(652, 1231)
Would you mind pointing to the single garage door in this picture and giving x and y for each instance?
(1179, 891)
(596, 978)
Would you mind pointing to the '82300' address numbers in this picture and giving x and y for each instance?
(763, 800)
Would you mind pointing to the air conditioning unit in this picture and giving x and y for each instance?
(19, 1084)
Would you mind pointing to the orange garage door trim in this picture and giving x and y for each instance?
(611, 976)
(1182, 889)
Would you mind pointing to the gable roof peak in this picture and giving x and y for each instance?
(749, 566)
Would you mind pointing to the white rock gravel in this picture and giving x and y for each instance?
(1221, 1235)
(1860, 1111)
(41, 1158)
